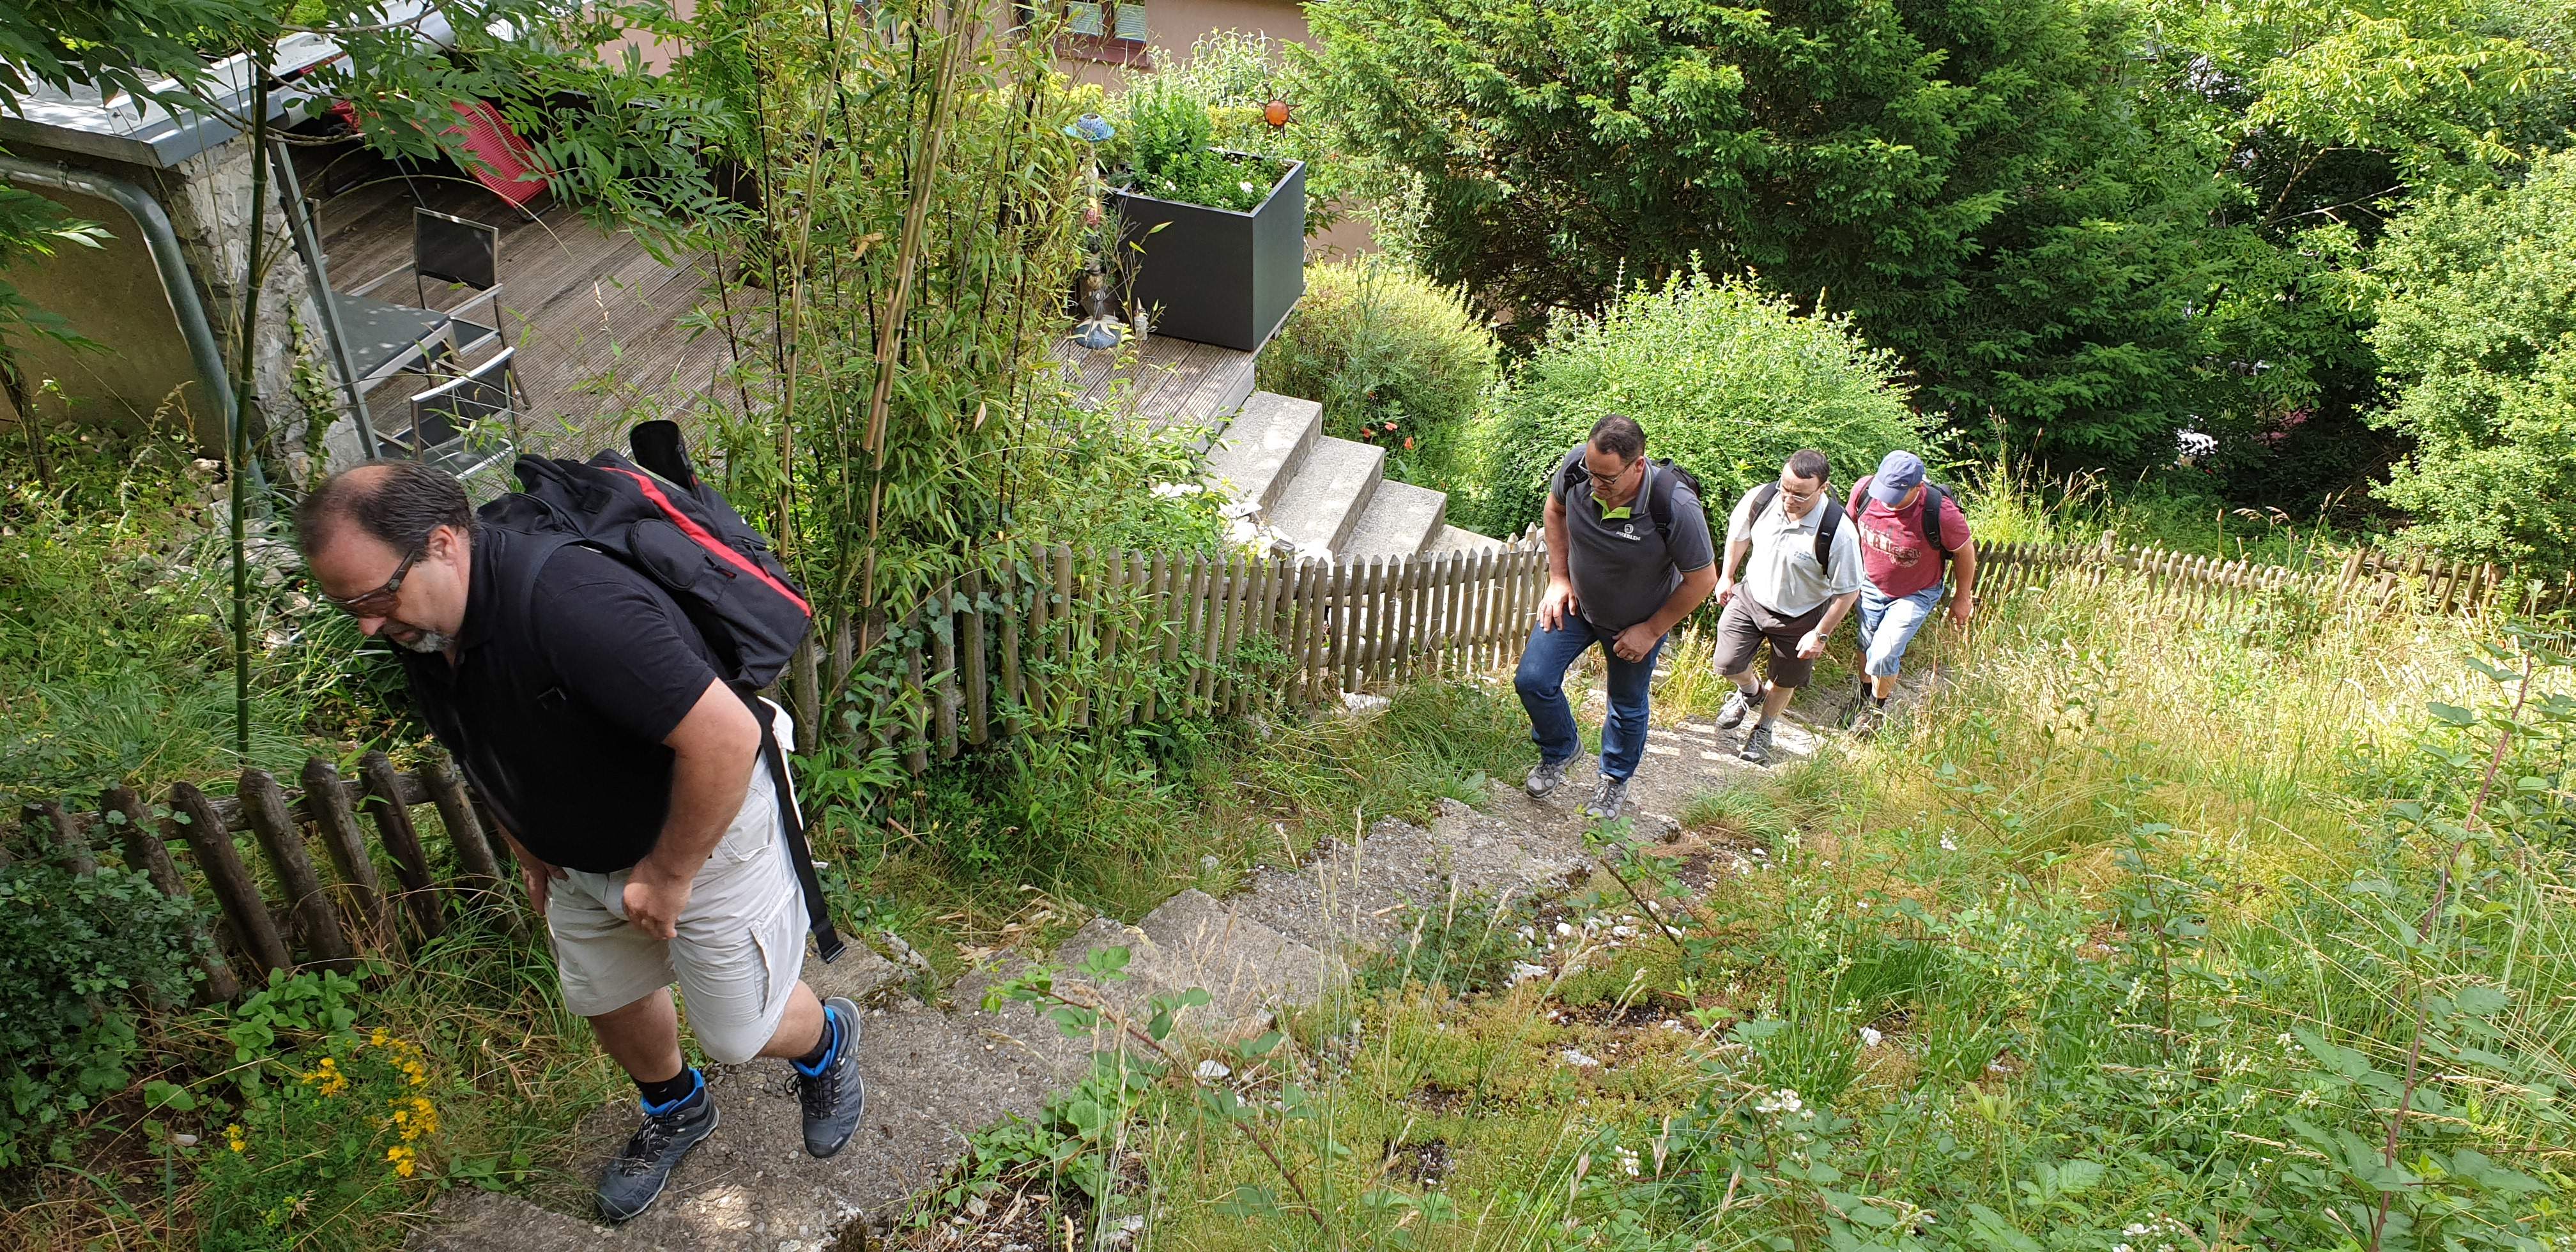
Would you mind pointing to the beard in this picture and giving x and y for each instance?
(425, 642)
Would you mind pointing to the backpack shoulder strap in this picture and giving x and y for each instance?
(1762, 498)
(1825, 528)
(1933, 499)
(1661, 481)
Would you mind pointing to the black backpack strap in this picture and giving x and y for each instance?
(791, 824)
(1762, 498)
(1825, 528)
(1661, 481)
(1933, 498)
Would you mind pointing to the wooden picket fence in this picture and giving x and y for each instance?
(1045, 641)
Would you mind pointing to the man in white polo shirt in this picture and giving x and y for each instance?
(1800, 564)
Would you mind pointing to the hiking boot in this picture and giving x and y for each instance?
(1607, 799)
(833, 1095)
(1868, 719)
(1544, 780)
(1757, 745)
(1737, 706)
(636, 1175)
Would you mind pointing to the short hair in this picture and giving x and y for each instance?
(400, 507)
(1809, 463)
(1620, 436)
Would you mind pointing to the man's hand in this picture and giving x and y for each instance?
(655, 901)
(1963, 606)
(539, 876)
(1556, 604)
(1812, 646)
(1725, 588)
(1635, 642)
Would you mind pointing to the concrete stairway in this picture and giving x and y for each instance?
(1326, 495)
(936, 1073)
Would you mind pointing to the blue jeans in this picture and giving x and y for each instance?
(1887, 624)
(1541, 682)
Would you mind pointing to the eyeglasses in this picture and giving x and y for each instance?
(1801, 497)
(379, 602)
(1608, 480)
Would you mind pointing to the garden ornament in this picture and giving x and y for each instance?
(1091, 128)
(1100, 324)
(1276, 113)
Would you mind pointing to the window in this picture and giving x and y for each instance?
(1112, 31)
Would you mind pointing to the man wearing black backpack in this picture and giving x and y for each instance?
(1801, 570)
(587, 709)
(1617, 580)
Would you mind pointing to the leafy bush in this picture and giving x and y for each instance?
(2477, 340)
(1167, 134)
(1392, 356)
(1727, 382)
(1234, 74)
(76, 953)
(341, 1133)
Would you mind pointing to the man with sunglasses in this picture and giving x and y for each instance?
(1801, 567)
(1628, 555)
(585, 707)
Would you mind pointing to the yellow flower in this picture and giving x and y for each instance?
(235, 1138)
(326, 1078)
(415, 1116)
(378, 1037)
(404, 1160)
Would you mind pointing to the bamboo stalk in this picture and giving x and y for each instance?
(978, 682)
(942, 621)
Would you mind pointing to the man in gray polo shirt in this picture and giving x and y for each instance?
(1789, 597)
(1628, 555)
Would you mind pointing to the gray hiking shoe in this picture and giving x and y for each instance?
(1757, 745)
(637, 1173)
(1607, 799)
(1737, 706)
(1868, 719)
(835, 1096)
(1544, 780)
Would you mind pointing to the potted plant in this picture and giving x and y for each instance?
(1222, 233)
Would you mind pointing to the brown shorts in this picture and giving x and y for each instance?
(1745, 624)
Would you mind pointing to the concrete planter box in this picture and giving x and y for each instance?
(1216, 276)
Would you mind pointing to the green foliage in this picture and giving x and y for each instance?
(1726, 381)
(1165, 131)
(113, 583)
(333, 1138)
(1468, 943)
(1969, 182)
(2477, 335)
(78, 957)
(1394, 358)
(1236, 74)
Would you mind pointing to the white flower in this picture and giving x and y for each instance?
(2135, 1229)
(1627, 1161)
(1247, 187)
(1784, 1100)
(1870, 1038)
(1211, 1070)
(1949, 844)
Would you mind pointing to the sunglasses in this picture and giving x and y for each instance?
(379, 602)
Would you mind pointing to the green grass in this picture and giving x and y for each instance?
(2114, 942)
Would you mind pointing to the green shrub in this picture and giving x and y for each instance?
(1393, 357)
(1168, 134)
(1726, 380)
(76, 952)
(2477, 342)
(1234, 74)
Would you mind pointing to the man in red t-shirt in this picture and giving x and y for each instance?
(1902, 557)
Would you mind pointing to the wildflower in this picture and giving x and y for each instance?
(1784, 1100)
(404, 1160)
(415, 1117)
(236, 1138)
(1408, 443)
(1949, 844)
(326, 1078)
(378, 1037)
(1627, 1160)
(1390, 423)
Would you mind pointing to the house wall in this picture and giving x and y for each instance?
(1173, 25)
(112, 295)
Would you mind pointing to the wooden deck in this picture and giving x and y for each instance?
(1167, 380)
(595, 317)
(597, 322)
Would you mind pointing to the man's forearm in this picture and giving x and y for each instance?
(1735, 553)
(1694, 589)
(1835, 610)
(706, 792)
(1558, 540)
(1966, 559)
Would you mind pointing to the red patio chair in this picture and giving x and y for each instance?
(506, 163)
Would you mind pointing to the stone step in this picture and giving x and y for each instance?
(1458, 539)
(1348, 894)
(1324, 501)
(1400, 521)
(1264, 446)
(1193, 941)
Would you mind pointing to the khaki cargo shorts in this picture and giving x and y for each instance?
(741, 943)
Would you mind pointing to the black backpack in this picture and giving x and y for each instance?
(1660, 482)
(655, 514)
(1825, 527)
(1933, 496)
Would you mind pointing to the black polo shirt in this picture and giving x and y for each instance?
(566, 680)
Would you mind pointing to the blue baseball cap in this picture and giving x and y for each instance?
(1898, 473)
